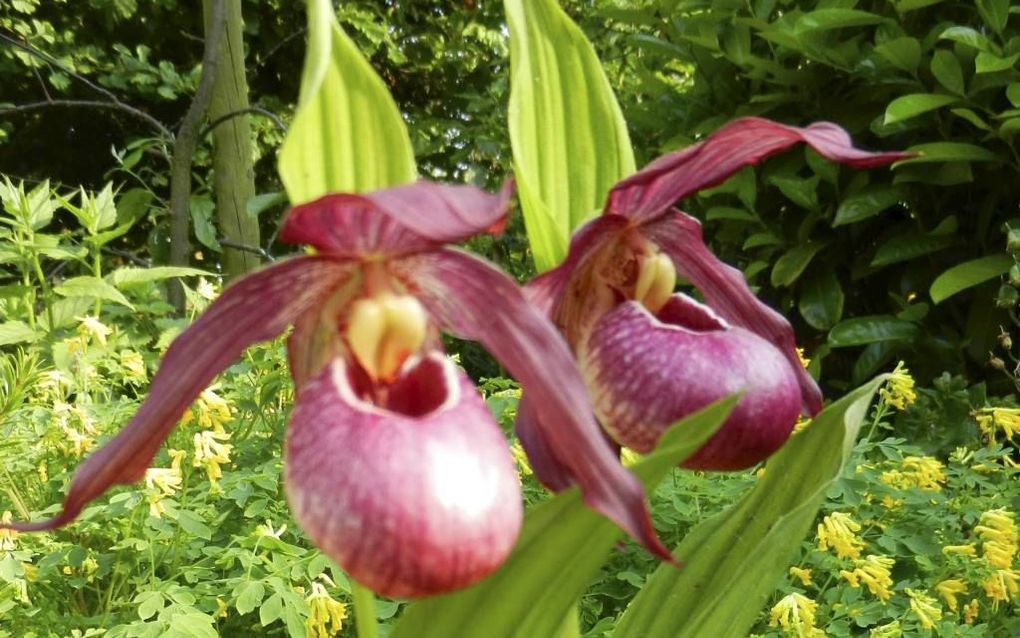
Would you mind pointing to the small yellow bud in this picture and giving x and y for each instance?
(384, 331)
(656, 281)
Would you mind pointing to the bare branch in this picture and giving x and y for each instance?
(94, 104)
(258, 110)
(31, 50)
(261, 252)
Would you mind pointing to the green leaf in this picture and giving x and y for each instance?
(910, 246)
(249, 596)
(263, 202)
(949, 152)
(827, 19)
(793, 262)
(991, 63)
(733, 561)
(1013, 94)
(193, 625)
(821, 299)
(868, 202)
(12, 332)
(909, 106)
(569, 139)
(130, 275)
(903, 53)
(968, 274)
(995, 13)
(202, 211)
(92, 287)
(863, 330)
(561, 547)
(150, 603)
(193, 524)
(947, 70)
(271, 610)
(800, 191)
(347, 134)
(969, 37)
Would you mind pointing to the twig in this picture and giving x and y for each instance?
(245, 111)
(184, 149)
(279, 45)
(95, 104)
(261, 252)
(130, 256)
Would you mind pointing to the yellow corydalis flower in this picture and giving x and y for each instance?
(888, 630)
(966, 550)
(923, 472)
(970, 612)
(795, 613)
(874, 572)
(1001, 586)
(8, 537)
(92, 329)
(926, 608)
(160, 483)
(839, 531)
(804, 575)
(998, 534)
(899, 388)
(993, 420)
(210, 410)
(211, 452)
(326, 616)
(949, 589)
(134, 366)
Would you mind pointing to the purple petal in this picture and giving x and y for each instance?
(651, 191)
(553, 473)
(476, 301)
(648, 372)
(398, 220)
(255, 308)
(416, 497)
(725, 290)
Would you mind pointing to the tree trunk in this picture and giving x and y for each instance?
(232, 145)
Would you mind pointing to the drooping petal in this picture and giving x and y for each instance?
(474, 300)
(255, 308)
(552, 472)
(646, 372)
(725, 290)
(653, 190)
(397, 220)
(414, 498)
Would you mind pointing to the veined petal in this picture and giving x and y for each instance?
(254, 308)
(725, 290)
(474, 300)
(654, 189)
(646, 372)
(397, 220)
(414, 498)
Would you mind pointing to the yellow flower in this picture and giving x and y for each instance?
(925, 607)
(899, 389)
(948, 590)
(924, 472)
(210, 410)
(889, 630)
(804, 361)
(134, 366)
(206, 290)
(801, 424)
(795, 613)
(890, 503)
(803, 574)
(221, 608)
(838, 530)
(874, 572)
(1001, 586)
(8, 537)
(161, 483)
(997, 530)
(91, 328)
(520, 458)
(211, 453)
(326, 616)
(967, 550)
(268, 530)
(970, 612)
(992, 420)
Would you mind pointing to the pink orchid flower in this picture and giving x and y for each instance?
(651, 356)
(394, 465)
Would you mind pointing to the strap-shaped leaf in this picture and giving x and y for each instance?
(733, 560)
(569, 139)
(347, 134)
(561, 547)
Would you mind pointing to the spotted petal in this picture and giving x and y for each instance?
(255, 308)
(416, 497)
(653, 190)
(475, 300)
(398, 220)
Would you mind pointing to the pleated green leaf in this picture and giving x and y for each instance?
(569, 139)
(734, 560)
(562, 546)
(347, 134)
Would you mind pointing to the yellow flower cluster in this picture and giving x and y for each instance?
(949, 589)
(91, 329)
(795, 613)
(326, 616)
(888, 630)
(924, 472)
(8, 537)
(211, 452)
(998, 533)
(899, 389)
(77, 426)
(804, 575)
(163, 482)
(993, 420)
(926, 608)
(210, 410)
(839, 531)
(874, 572)
(133, 366)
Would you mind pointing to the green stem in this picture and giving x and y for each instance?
(47, 297)
(97, 272)
(364, 611)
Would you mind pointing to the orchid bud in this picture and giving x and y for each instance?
(383, 331)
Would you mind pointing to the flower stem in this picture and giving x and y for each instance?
(364, 611)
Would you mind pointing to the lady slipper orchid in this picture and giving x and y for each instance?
(651, 356)
(394, 465)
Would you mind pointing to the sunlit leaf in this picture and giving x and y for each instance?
(968, 274)
(862, 330)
